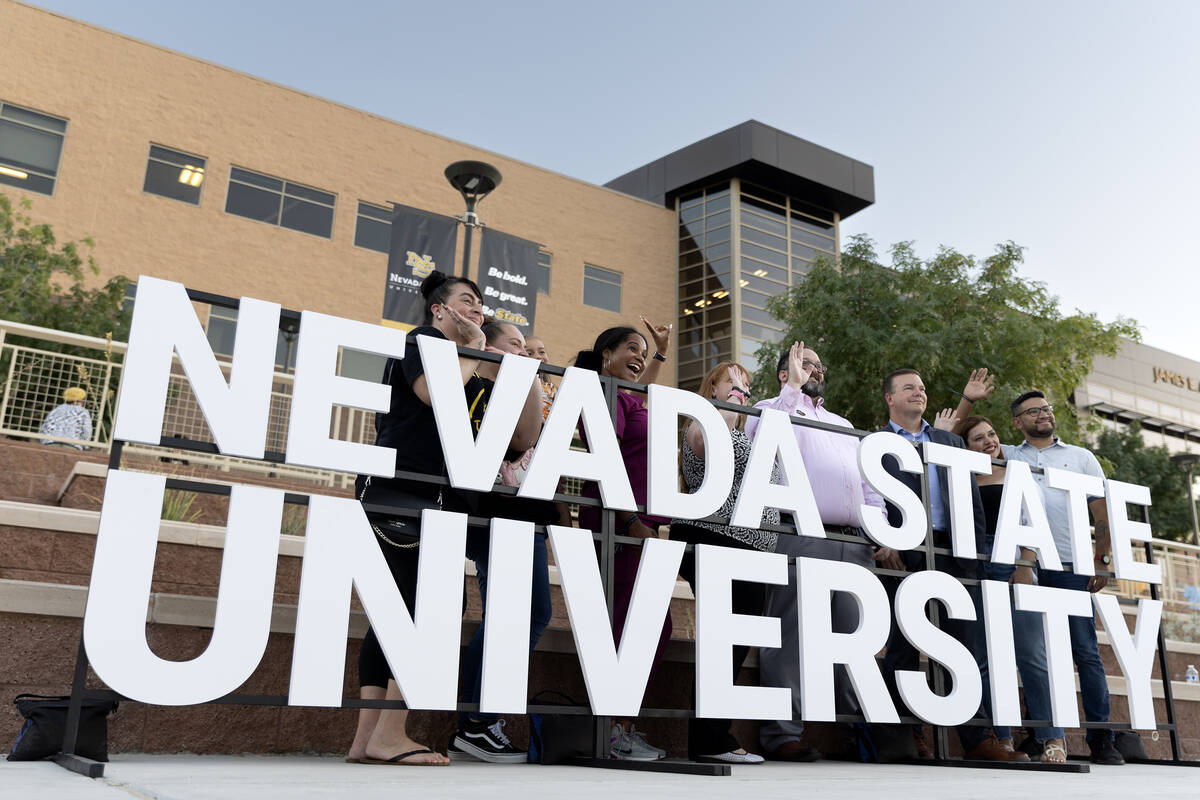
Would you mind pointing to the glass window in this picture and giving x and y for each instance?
(361, 366)
(773, 225)
(766, 239)
(542, 272)
(758, 315)
(601, 288)
(758, 269)
(373, 228)
(805, 236)
(717, 220)
(30, 148)
(763, 254)
(174, 174)
(717, 201)
(279, 202)
(222, 324)
(716, 235)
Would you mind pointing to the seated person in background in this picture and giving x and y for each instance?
(69, 419)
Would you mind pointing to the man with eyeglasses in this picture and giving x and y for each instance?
(831, 462)
(1034, 417)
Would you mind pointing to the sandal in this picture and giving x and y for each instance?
(1055, 752)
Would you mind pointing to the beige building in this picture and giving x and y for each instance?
(186, 170)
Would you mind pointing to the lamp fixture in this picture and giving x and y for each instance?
(14, 173)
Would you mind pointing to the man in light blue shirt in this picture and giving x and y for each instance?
(1034, 417)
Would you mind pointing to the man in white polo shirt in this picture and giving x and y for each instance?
(1034, 417)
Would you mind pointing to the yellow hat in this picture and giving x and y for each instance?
(74, 394)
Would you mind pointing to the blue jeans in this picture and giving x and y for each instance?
(540, 611)
(1030, 645)
(1084, 650)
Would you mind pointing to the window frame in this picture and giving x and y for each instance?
(619, 284)
(282, 191)
(203, 170)
(61, 134)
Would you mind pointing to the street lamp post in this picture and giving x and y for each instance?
(474, 180)
(1187, 462)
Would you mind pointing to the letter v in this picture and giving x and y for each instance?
(472, 462)
(615, 677)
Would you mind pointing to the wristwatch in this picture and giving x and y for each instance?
(1105, 559)
(659, 356)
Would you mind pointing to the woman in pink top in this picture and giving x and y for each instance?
(623, 353)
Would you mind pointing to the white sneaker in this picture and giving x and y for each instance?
(627, 748)
(732, 758)
(634, 733)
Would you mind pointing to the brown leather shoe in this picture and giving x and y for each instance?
(990, 749)
(924, 751)
(793, 750)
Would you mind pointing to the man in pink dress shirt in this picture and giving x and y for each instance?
(832, 465)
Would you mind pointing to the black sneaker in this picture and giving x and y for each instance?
(487, 742)
(1104, 751)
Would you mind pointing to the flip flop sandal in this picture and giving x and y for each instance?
(399, 760)
(350, 760)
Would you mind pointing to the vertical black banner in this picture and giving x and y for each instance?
(506, 278)
(421, 243)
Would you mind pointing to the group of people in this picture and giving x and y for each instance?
(454, 311)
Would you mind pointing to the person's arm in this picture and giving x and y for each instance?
(660, 337)
(1024, 573)
(789, 393)
(469, 335)
(978, 387)
(1103, 545)
(529, 424)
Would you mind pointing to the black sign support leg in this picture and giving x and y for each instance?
(68, 758)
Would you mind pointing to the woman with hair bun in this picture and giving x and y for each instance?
(621, 352)
(453, 311)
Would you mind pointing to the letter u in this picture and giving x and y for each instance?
(114, 625)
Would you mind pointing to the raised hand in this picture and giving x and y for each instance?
(945, 420)
(979, 385)
(797, 374)
(469, 334)
(660, 334)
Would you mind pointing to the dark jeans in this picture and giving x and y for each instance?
(540, 611)
(1084, 650)
(902, 655)
(710, 737)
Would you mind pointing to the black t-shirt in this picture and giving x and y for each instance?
(409, 425)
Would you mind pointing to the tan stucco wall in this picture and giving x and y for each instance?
(119, 95)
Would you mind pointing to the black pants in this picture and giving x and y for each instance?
(900, 652)
(709, 737)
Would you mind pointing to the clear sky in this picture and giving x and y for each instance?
(1072, 128)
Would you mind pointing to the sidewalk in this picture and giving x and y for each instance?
(265, 777)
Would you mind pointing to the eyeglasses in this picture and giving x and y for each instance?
(815, 366)
(1034, 413)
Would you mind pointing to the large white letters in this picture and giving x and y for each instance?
(718, 629)
(318, 387)
(114, 626)
(960, 464)
(665, 406)
(774, 437)
(1124, 531)
(1021, 492)
(236, 412)
(821, 648)
(579, 397)
(1134, 653)
(472, 461)
(1056, 605)
(961, 703)
(871, 451)
(341, 550)
(615, 678)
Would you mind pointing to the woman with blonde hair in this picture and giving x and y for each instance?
(710, 739)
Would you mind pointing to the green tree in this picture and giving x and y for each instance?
(1126, 457)
(43, 282)
(943, 317)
